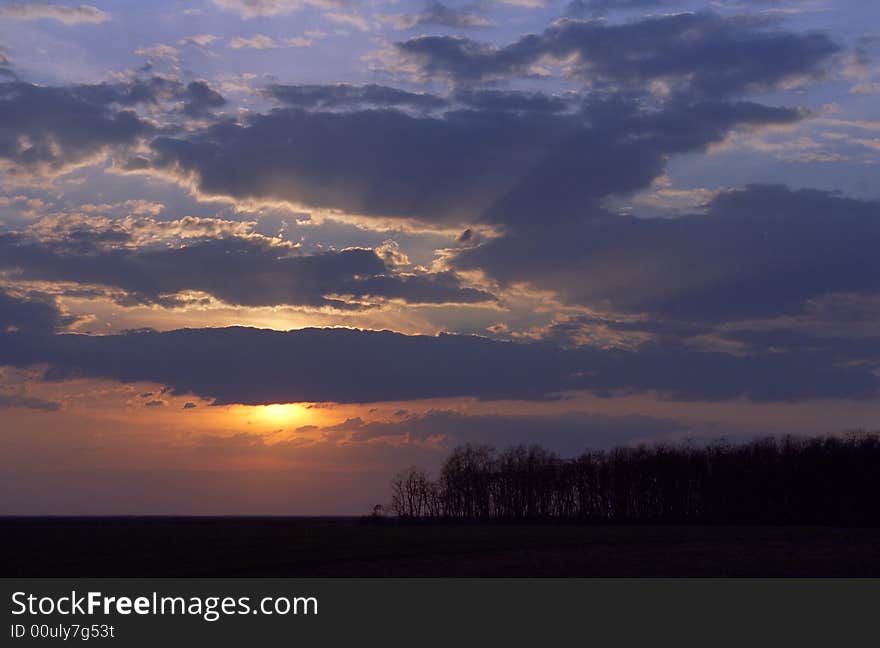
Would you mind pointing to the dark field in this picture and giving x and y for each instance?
(195, 547)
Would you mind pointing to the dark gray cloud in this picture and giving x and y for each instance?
(700, 54)
(354, 97)
(199, 99)
(759, 251)
(437, 14)
(128, 93)
(248, 271)
(567, 434)
(594, 8)
(250, 366)
(30, 314)
(49, 128)
(623, 151)
(6, 67)
(537, 166)
(611, 331)
(427, 288)
(843, 337)
(510, 101)
(345, 95)
(477, 156)
(838, 349)
(28, 402)
(497, 165)
(862, 54)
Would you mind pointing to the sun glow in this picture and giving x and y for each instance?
(280, 413)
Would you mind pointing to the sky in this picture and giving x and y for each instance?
(257, 256)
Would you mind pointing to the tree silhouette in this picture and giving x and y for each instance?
(825, 480)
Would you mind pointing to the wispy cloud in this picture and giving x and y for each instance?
(82, 14)
(308, 39)
(257, 41)
(438, 14)
(248, 9)
(28, 402)
(158, 51)
(202, 40)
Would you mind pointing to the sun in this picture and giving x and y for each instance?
(280, 413)
(273, 417)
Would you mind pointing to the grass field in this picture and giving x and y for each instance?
(33, 547)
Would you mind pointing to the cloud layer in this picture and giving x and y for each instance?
(699, 54)
(523, 147)
(253, 366)
(759, 251)
(244, 270)
(496, 164)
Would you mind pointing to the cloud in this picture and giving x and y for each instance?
(440, 15)
(534, 170)
(249, 9)
(512, 101)
(759, 251)
(344, 95)
(150, 90)
(257, 41)
(49, 129)
(30, 314)
(593, 8)
(839, 350)
(199, 99)
(263, 42)
(700, 55)
(158, 52)
(567, 434)
(82, 14)
(238, 270)
(866, 88)
(28, 402)
(348, 17)
(308, 38)
(496, 157)
(251, 366)
(529, 4)
(497, 164)
(202, 40)
(6, 67)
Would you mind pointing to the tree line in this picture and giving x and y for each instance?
(825, 480)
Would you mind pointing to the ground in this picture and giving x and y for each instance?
(192, 547)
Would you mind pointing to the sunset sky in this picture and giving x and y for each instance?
(256, 256)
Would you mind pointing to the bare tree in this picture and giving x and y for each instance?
(804, 480)
(412, 494)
